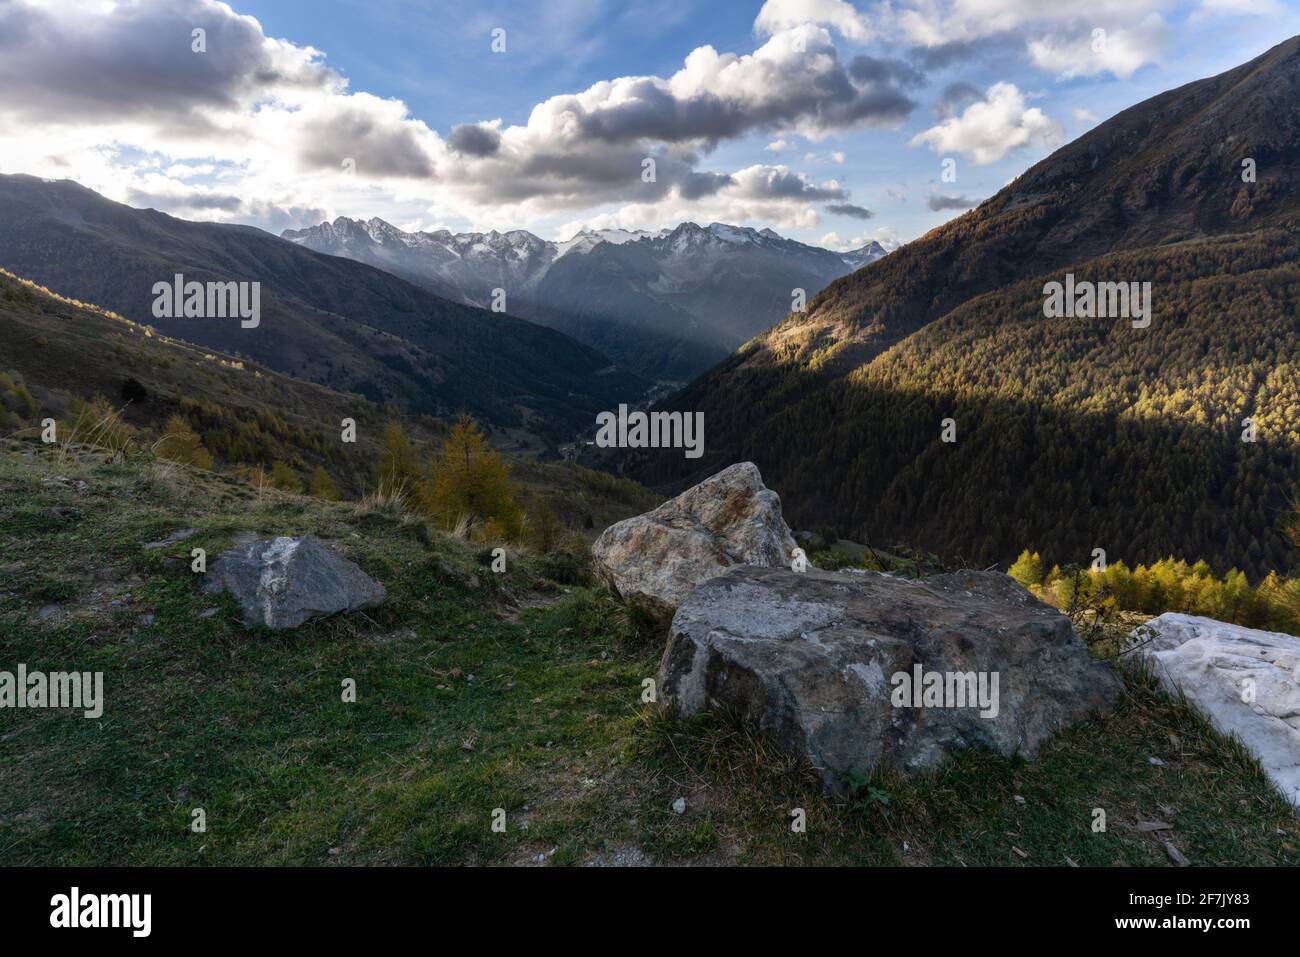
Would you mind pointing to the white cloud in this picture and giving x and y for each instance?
(758, 194)
(1056, 36)
(778, 15)
(1084, 115)
(114, 96)
(935, 22)
(1249, 8)
(988, 130)
(887, 236)
(1120, 51)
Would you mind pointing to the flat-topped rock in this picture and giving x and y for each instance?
(855, 672)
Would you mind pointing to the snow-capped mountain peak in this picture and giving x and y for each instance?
(665, 302)
(857, 258)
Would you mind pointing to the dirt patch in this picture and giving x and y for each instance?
(526, 602)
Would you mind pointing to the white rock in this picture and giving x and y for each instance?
(679, 806)
(1244, 681)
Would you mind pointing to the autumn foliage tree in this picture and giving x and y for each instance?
(179, 443)
(399, 467)
(472, 483)
(285, 478)
(322, 486)
(1167, 585)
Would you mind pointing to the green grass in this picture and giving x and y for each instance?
(478, 691)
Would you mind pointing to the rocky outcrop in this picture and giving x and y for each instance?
(1245, 682)
(281, 582)
(859, 671)
(657, 559)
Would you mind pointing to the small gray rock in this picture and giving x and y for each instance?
(48, 612)
(177, 536)
(281, 582)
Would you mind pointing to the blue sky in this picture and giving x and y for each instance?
(830, 125)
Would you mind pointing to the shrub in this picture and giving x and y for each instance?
(285, 478)
(180, 444)
(322, 486)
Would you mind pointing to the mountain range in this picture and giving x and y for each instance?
(928, 399)
(341, 323)
(666, 304)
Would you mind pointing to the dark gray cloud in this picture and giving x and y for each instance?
(377, 144)
(197, 202)
(778, 182)
(832, 102)
(995, 51)
(938, 202)
(712, 100)
(865, 70)
(474, 139)
(848, 209)
(136, 62)
(699, 185)
(276, 218)
(956, 97)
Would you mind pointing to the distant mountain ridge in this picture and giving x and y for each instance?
(341, 323)
(667, 303)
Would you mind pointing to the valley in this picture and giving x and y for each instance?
(826, 434)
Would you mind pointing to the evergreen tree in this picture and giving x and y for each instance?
(285, 478)
(399, 469)
(1028, 569)
(470, 480)
(544, 528)
(322, 486)
(180, 444)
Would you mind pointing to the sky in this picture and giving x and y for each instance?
(833, 122)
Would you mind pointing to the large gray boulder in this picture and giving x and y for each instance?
(838, 667)
(1244, 681)
(655, 560)
(281, 582)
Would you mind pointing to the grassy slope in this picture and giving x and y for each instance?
(63, 348)
(250, 727)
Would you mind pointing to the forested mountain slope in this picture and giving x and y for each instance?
(1071, 434)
